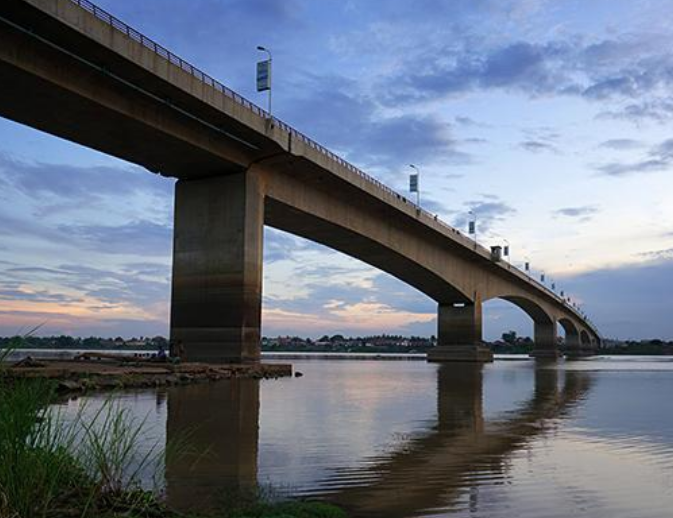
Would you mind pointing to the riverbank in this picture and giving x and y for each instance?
(105, 374)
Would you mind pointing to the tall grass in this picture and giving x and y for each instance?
(50, 466)
(36, 467)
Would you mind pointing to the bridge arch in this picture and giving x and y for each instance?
(544, 324)
(572, 337)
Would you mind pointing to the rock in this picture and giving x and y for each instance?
(69, 386)
(298, 374)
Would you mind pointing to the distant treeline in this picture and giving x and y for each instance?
(510, 344)
(92, 342)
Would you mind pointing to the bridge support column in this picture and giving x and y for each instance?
(546, 344)
(459, 334)
(217, 268)
(573, 347)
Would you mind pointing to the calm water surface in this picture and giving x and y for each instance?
(587, 438)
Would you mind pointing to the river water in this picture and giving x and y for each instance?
(591, 438)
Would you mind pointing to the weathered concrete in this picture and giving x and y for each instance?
(459, 330)
(217, 268)
(546, 341)
(69, 72)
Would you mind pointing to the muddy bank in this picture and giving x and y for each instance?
(88, 375)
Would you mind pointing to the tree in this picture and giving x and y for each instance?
(509, 337)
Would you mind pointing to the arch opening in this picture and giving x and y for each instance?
(570, 333)
(511, 330)
(312, 290)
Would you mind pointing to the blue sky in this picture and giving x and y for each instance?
(546, 118)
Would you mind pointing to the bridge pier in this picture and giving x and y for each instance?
(546, 343)
(459, 334)
(573, 347)
(217, 268)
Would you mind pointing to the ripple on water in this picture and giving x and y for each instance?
(405, 439)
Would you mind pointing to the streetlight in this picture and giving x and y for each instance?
(414, 183)
(505, 252)
(264, 75)
(472, 226)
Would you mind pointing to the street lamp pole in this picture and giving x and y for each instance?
(268, 83)
(473, 226)
(418, 184)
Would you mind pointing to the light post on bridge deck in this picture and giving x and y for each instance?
(506, 251)
(472, 226)
(415, 183)
(264, 75)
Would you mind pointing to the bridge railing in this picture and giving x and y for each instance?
(162, 51)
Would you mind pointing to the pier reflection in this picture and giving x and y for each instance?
(215, 428)
(439, 469)
(442, 469)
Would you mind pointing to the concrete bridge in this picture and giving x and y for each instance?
(73, 70)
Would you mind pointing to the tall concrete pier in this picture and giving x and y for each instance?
(73, 70)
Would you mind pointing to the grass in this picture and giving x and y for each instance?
(52, 468)
(262, 508)
(92, 465)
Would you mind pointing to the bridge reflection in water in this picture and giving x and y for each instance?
(435, 470)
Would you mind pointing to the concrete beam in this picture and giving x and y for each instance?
(217, 268)
(459, 329)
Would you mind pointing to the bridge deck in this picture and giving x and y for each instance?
(129, 58)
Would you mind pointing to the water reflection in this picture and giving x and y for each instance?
(215, 427)
(440, 467)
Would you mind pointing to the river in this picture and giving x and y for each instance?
(592, 437)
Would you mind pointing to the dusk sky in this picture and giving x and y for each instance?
(547, 118)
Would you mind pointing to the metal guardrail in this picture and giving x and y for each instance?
(162, 51)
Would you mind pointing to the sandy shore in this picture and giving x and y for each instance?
(87, 375)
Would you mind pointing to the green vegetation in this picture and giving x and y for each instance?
(265, 503)
(91, 466)
(71, 342)
(51, 468)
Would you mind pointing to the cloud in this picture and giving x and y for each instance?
(621, 144)
(487, 213)
(616, 169)
(349, 300)
(13, 322)
(629, 67)
(659, 255)
(372, 139)
(633, 301)
(79, 184)
(655, 110)
(92, 286)
(282, 246)
(135, 238)
(35, 296)
(659, 158)
(536, 146)
(582, 214)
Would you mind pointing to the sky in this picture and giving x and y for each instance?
(548, 119)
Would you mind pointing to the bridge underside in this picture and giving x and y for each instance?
(70, 73)
(217, 268)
